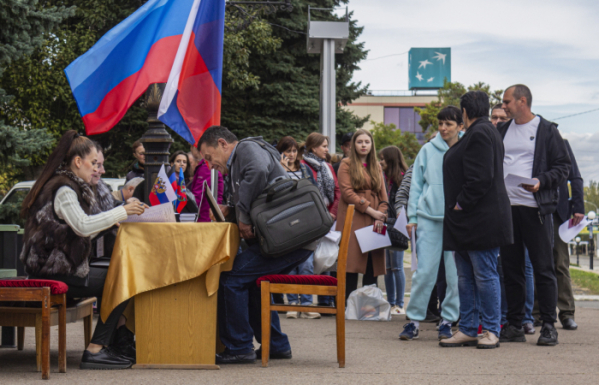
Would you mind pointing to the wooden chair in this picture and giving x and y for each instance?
(309, 284)
(54, 311)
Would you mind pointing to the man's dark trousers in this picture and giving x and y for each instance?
(561, 257)
(239, 311)
(535, 233)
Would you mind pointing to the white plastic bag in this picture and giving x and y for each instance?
(368, 304)
(325, 255)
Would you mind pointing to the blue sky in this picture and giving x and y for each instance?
(551, 46)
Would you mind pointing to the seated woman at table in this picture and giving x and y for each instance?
(62, 216)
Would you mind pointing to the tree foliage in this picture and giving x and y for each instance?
(591, 195)
(388, 135)
(449, 95)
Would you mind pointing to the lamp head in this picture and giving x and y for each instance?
(591, 215)
(577, 239)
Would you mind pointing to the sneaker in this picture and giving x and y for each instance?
(489, 341)
(410, 332)
(292, 314)
(444, 331)
(457, 340)
(401, 310)
(548, 335)
(528, 328)
(395, 310)
(310, 315)
(510, 333)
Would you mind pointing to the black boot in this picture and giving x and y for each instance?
(124, 343)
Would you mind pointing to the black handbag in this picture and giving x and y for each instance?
(399, 242)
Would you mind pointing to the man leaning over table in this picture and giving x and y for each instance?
(250, 167)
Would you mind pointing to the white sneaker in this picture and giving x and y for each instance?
(401, 310)
(310, 315)
(395, 310)
(292, 314)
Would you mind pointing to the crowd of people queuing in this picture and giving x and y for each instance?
(487, 250)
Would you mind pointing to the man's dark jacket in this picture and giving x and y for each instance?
(551, 164)
(565, 206)
(473, 178)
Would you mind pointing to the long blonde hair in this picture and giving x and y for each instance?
(356, 169)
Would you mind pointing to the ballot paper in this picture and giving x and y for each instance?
(160, 213)
(401, 222)
(414, 254)
(370, 240)
(518, 181)
(567, 232)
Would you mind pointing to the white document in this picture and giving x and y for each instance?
(161, 213)
(333, 235)
(567, 233)
(369, 240)
(414, 254)
(518, 181)
(401, 222)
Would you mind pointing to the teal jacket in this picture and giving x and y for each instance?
(426, 191)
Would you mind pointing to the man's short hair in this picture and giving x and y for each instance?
(137, 143)
(520, 90)
(346, 138)
(134, 182)
(211, 136)
(498, 106)
(476, 104)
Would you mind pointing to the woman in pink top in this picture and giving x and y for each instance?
(201, 174)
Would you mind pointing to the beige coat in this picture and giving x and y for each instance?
(362, 199)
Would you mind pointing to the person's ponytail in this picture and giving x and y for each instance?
(70, 145)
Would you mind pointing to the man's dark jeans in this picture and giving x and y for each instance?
(239, 312)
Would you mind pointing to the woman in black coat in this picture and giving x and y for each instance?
(477, 221)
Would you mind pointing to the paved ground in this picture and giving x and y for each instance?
(374, 355)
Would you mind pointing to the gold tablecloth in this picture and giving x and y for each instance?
(149, 256)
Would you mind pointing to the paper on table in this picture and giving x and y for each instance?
(369, 240)
(401, 222)
(518, 181)
(566, 233)
(160, 213)
(414, 254)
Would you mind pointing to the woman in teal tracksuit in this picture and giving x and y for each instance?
(426, 208)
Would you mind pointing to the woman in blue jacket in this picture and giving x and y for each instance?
(426, 208)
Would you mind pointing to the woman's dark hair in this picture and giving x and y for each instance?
(71, 145)
(396, 164)
(174, 157)
(476, 104)
(450, 113)
(286, 143)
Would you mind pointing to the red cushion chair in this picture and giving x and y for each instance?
(56, 287)
(309, 284)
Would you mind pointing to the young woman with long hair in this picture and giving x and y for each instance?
(62, 216)
(362, 184)
(394, 167)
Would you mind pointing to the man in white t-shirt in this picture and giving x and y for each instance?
(533, 149)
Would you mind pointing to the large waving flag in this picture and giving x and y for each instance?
(163, 191)
(192, 97)
(118, 69)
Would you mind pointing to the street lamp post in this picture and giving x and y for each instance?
(577, 239)
(591, 216)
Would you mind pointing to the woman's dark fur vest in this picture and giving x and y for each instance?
(51, 247)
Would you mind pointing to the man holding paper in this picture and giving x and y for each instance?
(534, 149)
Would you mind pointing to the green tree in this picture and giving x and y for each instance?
(591, 196)
(449, 95)
(388, 135)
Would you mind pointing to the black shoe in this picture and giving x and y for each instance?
(275, 356)
(569, 324)
(430, 317)
(124, 343)
(510, 333)
(105, 359)
(227, 358)
(548, 335)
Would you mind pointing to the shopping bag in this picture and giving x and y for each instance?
(325, 255)
(368, 304)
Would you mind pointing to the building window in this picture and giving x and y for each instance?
(405, 119)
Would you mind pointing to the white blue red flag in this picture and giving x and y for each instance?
(162, 190)
(192, 97)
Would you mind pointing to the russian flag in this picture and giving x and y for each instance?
(163, 190)
(118, 69)
(192, 97)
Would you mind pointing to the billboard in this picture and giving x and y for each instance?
(428, 67)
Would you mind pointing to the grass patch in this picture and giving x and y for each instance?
(586, 280)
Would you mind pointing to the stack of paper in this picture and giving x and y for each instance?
(159, 213)
(187, 217)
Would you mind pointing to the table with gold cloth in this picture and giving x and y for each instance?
(172, 270)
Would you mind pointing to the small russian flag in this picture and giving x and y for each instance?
(163, 191)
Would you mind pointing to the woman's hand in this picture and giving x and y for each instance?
(378, 226)
(411, 226)
(135, 208)
(377, 215)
